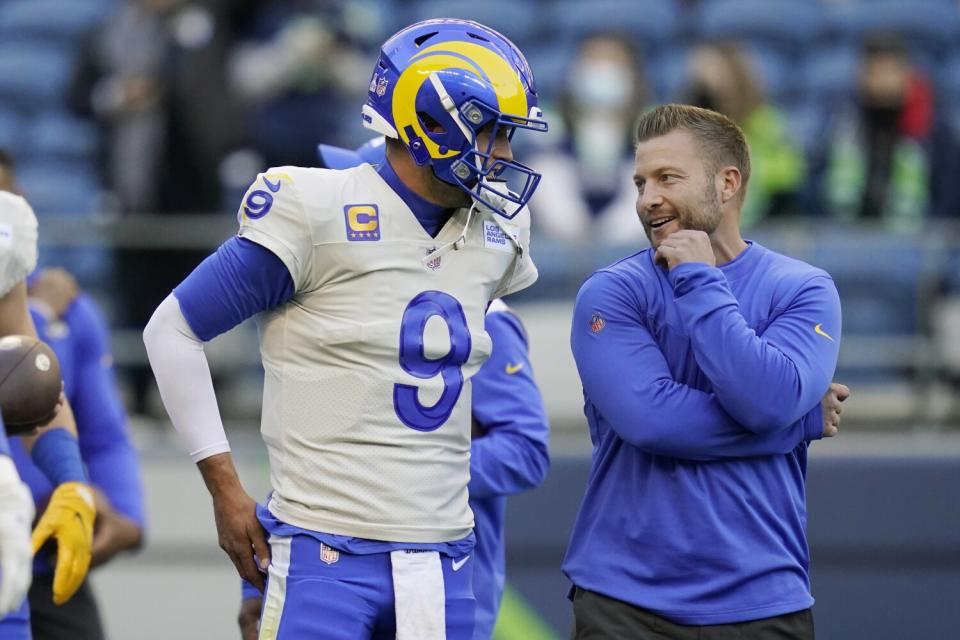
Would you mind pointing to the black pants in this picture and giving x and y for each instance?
(77, 619)
(598, 617)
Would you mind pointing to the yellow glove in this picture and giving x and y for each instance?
(69, 519)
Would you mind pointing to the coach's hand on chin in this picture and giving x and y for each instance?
(238, 530)
(685, 245)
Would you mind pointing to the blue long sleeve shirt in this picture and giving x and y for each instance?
(702, 389)
(509, 458)
(82, 347)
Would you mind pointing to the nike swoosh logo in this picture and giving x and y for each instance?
(513, 368)
(819, 329)
(456, 565)
(273, 187)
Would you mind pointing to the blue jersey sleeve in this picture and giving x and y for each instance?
(512, 456)
(627, 380)
(105, 443)
(767, 381)
(239, 280)
(4, 443)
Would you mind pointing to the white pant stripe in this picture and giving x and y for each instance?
(276, 587)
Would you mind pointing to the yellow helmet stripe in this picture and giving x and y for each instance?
(475, 58)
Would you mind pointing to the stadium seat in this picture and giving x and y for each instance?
(11, 131)
(59, 188)
(668, 73)
(830, 74)
(518, 21)
(57, 135)
(33, 75)
(50, 19)
(788, 24)
(650, 23)
(549, 63)
(930, 27)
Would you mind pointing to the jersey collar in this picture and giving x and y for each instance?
(431, 216)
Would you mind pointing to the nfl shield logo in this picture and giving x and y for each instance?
(329, 555)
(382, 86)
(435, 263)
(597, 323)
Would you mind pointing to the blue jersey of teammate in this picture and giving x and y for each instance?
(80, 341)
(702, 389)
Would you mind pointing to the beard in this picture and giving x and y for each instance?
(702, 215)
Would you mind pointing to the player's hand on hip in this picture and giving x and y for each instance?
(684, 246)
(241, 535)
(69, 520)
(832, 408)
(249, 618)
(16, 555)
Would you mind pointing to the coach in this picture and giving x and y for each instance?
(706, 364)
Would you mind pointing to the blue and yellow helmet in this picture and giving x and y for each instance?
(439, 82)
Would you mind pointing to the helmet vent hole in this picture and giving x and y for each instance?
(430, 125)
(419, 41)
(477, 36)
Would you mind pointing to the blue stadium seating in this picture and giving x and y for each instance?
(50, 19)
(59, 187)
(881, 278)
(33, 75)
(11, 131)
(650, 23)
(519, 21)
(57, 135)
(549, 63)
(829, 74)
(932, 27)
(787, 24)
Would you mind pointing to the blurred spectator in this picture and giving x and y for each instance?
(153, 77)
(722, 77)
(7, 173)
(299, 75)
(877, 166)
(587, 192)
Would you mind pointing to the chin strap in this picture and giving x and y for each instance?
(458, 244)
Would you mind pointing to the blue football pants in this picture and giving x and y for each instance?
(316, 592)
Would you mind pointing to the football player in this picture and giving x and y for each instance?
(508, 454)
(69, 515)
(16, 518)
(70, 323)
(370, 288)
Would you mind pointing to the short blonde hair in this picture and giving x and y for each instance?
(721, 139)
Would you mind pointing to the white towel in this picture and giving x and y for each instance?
(419, 594)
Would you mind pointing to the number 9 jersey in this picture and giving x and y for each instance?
(366, 405)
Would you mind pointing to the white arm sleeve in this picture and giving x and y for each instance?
(183, 376)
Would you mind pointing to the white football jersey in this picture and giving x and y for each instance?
(18, 241)
(366, 405)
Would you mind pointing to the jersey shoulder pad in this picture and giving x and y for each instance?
(18, 240)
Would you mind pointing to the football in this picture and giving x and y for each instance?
(30, 383)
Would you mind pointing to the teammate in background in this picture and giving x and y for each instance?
(704, 362)
(509, 452)
(70, 513)
(370, 288)
(69, 321)
(16, 518)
